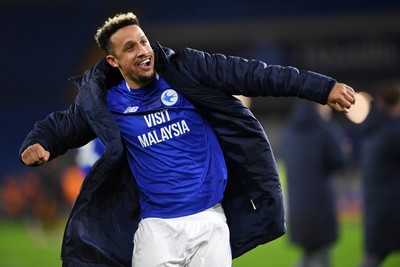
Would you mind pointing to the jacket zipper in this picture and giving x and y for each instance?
(252, 204)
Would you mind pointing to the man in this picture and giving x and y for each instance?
(380, 169)
(313, 151)
(184, 159)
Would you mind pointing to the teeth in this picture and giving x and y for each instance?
(144, 62)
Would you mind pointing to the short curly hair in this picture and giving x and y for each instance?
(110, 26)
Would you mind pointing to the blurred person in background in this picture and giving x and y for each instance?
(73, 176)
(88, 154)
(380, 169)
(188, 173)
(313, 149)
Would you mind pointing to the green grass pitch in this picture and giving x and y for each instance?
(27, 246)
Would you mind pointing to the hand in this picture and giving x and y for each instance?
(35, 155)
(341, 97)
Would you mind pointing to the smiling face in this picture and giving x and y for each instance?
(132, 54)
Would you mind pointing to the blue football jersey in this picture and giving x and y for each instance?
(172, 150)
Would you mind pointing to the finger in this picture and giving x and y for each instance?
(350, 94)
(40, 154)
(347, 99)
(346, 103)
(46, 156)
(338, 107)
(27, 157)
(346, 95)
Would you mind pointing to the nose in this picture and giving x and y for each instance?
(143, 50)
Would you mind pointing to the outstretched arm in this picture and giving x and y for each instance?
(53, 136)
(239, 76)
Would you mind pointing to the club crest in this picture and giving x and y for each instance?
(169, 97)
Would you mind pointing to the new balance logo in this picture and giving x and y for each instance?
(131, 109)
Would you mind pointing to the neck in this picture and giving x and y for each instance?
(132, 86)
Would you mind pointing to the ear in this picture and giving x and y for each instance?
(112, 61)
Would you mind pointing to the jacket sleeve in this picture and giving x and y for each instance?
(239, 76)
(60, 131)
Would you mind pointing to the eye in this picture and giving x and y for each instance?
(129, 47)
(145, 41)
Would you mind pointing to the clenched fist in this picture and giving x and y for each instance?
(35, 155)
(341, 97)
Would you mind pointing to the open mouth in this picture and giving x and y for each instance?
(145, 63)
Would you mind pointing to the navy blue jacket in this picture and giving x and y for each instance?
(103, 220)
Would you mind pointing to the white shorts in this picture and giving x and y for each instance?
(198, 240)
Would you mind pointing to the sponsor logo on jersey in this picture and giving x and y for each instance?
(169, 97)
